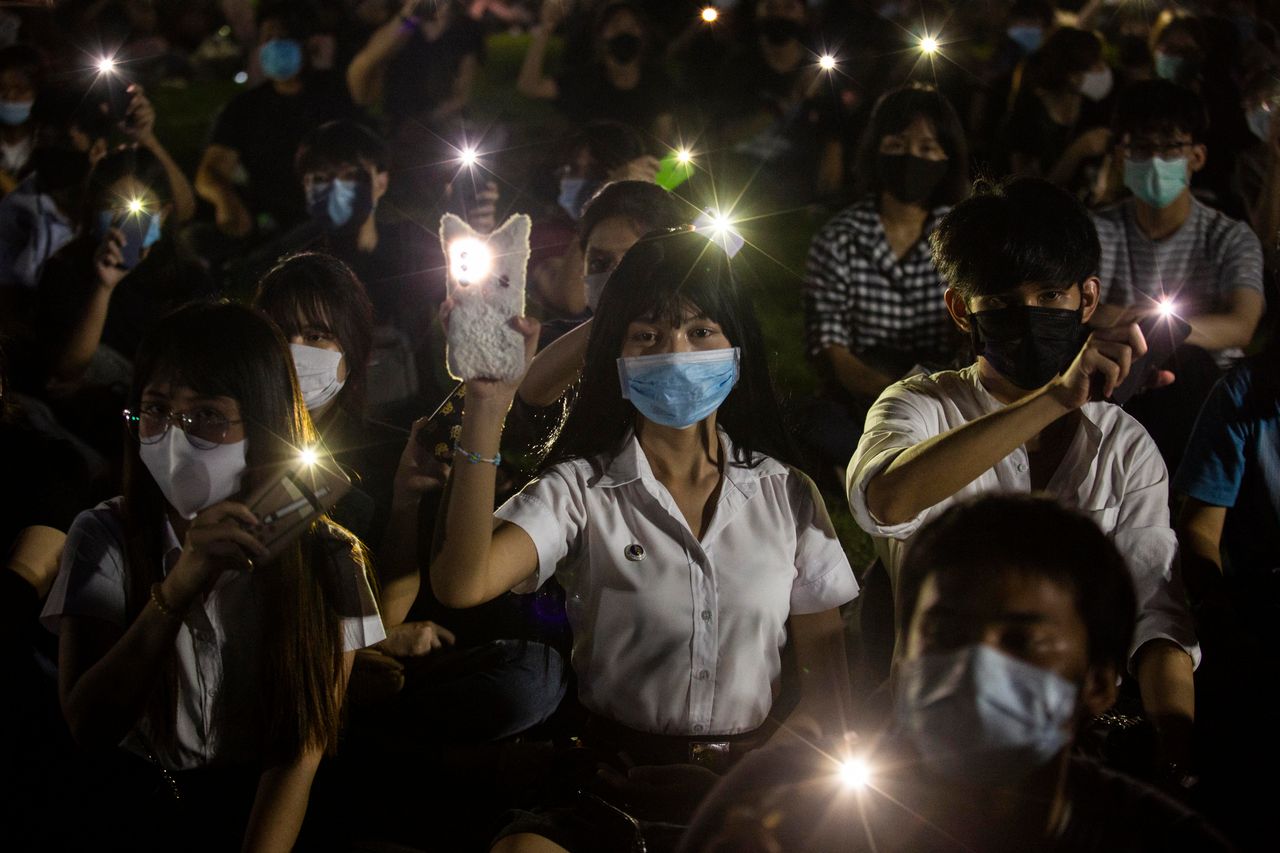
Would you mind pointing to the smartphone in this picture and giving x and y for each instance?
(134, 226)
(286, 507)
(673, 171)
(1163, 333)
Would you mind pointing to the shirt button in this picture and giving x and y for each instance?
(702, 675)
(1022, 467)
(697, 729)
(706, 616)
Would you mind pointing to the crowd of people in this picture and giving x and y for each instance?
(603, 584)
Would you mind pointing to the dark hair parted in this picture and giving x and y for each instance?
(1154, 108)
(322, 291)
(223, 349)
(648, 207)
(1016, 231)
(337, 143)
(974, 543)
(664, 276)
(893, 113)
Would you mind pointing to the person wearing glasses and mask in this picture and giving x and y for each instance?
(218, 672)
(1020, 260)
(1163, 243)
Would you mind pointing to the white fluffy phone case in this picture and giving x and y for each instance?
(482, 344)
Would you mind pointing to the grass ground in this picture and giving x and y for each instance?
(186, 112)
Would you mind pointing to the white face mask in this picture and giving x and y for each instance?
(1097, 84)
(317, 374)
(192, 479)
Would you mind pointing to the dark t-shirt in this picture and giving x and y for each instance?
(587, 95)
(265, 127)
(422, 74)
(797, 792)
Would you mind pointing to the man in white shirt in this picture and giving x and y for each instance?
(1021, 262)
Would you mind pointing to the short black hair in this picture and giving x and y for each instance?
(1013, 232)
(336, 142)
(648, 207)
(1155, 107)
(610, 143)
(24, 59)
(1032, 10)
(1066, 52)
(893, 112)
(287, 14)
(1029, 535)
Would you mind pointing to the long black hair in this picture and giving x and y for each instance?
(660, 277)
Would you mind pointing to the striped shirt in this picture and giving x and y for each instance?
(1200, 263)
(860, 296)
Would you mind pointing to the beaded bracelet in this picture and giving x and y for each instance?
(157, 598)
(475, 458)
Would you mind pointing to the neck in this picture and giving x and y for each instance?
(1159, 222)
(367, 237)
(677, 455)
(900, 214)
(292, 86)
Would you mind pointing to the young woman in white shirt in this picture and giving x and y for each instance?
(178, 640)
(687, 552)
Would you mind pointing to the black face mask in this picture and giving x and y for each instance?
(911, 179)
(1027, 346)
(779, 31)
(624, 48)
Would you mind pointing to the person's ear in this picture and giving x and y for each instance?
(1199, 155)
(381, 180)
(957, 309)
(1099, 691)
(1090, 296)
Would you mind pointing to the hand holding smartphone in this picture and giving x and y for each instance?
(134, 226)
(1164, 332)
(286, 507)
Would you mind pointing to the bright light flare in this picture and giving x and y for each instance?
(469, 260)
(308, 456)
(827, 62)
(468, 156)
(135, 206)
(106, 65)
(855, 773)
(928, 45)
(684, 156)
(1166, 307)
(710, 15)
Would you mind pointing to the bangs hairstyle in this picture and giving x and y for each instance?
(648, 207)
(972, 545)
(223, 349)
(1016, 231)
(663, 277)
(1156, 108)
(324, 290)
(893, 113)
(339, 143)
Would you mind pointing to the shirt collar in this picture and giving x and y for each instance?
(630, 464)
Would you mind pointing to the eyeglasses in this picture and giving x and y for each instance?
(1145, 149)
(204, 428)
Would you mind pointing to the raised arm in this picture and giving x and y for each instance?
(1232, 327)
(71, 360)
(140, 123)
(532, 82)
(478, 563)
(556, 367)
(215, 184)
(366, 72)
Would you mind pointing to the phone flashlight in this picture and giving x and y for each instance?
(827, 62)
(855, 773)
(308, 456)
(468, 156)
(1166, 307)
(928, 45)
(469, 260)
(106, 65)
(710, 15)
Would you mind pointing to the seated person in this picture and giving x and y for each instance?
(1020, 260)
(1019, 621)
(208, 676)
(872, 294)
(21, 73)
(1164, 243)
(246, 170)
(1257, 174)
(649, 510)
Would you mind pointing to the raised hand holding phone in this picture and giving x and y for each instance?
(1163, 331)
(285, 508)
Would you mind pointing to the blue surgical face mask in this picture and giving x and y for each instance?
(979, 715)
(1259, 119)
(281, 59)
(14, 113)
(679, 389)
(1157, 181)
(153, 233)
(1170, 67)
(595, 283)
(335, 204)
(574, 193)
(1026, 36)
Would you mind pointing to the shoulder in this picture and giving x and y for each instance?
(1224, 232)
(104, 523)
(1109, 218)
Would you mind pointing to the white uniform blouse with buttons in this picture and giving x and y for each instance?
(672, 634)
(1112, 472)
(216, 643)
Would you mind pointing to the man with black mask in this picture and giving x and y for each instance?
(1021, 260)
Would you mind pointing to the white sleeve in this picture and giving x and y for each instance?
(357, 606)
(824, 578)
(91, 579)
(894, 424)
(1142, 534)
(552, 510)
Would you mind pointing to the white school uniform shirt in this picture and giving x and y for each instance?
(1112, 472)
(217, 644)
(680, 636)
